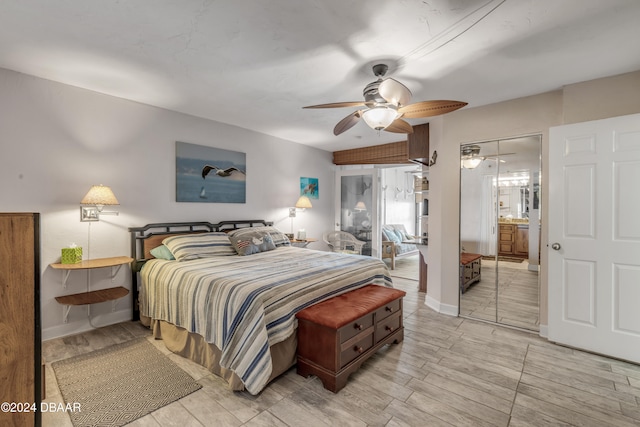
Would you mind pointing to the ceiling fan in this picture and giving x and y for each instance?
(470, 156)
(387, 103)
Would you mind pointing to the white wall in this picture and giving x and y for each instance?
(57, 140)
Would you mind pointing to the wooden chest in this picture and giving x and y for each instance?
(470, 269)
(337, 335)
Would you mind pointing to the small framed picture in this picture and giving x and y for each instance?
(309, 187)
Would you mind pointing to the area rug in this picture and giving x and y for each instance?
(121, 383)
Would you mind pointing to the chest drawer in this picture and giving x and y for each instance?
(355, 347)
(388, 326)
(387, 310)
(352, 329)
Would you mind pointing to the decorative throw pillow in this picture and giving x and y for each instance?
(162, 252)
(252, 243)
(391, 235)
(278, 237)
(202, 245)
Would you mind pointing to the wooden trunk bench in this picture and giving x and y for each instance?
(470, 268)
(337, 335)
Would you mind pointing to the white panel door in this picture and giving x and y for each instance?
(594, 236)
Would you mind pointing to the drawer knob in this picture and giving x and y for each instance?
(357, 326)
(357, 349)
(388, 328)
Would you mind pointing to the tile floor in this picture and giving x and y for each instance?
(447, 371)
(517, 295)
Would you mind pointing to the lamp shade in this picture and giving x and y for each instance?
(379, 118)
(99, 195)
(303, 203)
(360, 206)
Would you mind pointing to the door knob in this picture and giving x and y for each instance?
(556, 246)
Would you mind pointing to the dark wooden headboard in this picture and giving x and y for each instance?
(147, 237)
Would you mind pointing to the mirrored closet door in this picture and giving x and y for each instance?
(500, 231)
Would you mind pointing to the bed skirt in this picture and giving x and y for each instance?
(193, 347)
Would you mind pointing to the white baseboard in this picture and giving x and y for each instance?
(80, 326)
(449, 310)
(544, 331)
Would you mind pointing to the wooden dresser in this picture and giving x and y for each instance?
(20, 335)
(337, 335)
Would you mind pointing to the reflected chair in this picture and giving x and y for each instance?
(343, 242)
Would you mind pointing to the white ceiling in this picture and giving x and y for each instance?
(255, 63)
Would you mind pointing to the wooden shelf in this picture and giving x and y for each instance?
(94, 263)
(93, 297)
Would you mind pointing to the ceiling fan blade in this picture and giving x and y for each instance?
(394, 92)
(338, 105)
(347, 123)
(498, 155)
(399, 126)
(429, 108)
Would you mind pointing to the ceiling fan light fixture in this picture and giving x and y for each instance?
(380, 117)
(471, 163)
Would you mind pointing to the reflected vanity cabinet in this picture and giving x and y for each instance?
(506, 239)
(521, 247)
(513, 240)
(20, 335)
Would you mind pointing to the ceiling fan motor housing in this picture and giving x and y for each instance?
(370, 91)
(371, 94)
(471, 150)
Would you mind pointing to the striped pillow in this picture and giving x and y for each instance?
(203, 245)
(278, 237)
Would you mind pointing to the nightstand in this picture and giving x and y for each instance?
(91, 297)
(302, 243)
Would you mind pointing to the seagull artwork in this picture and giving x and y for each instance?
(228, 172)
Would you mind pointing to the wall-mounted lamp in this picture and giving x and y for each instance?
(94, 202)
(302, 204)
(360, 206)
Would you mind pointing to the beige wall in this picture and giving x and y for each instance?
(603, 98)
(597, 99)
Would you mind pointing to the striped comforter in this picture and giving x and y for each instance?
(244, 304)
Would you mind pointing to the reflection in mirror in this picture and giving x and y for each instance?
(355, 211)
(500, 230)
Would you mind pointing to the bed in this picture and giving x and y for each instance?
(232, 313)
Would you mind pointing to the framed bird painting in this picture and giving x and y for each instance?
(309, 187)
(210, 175)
